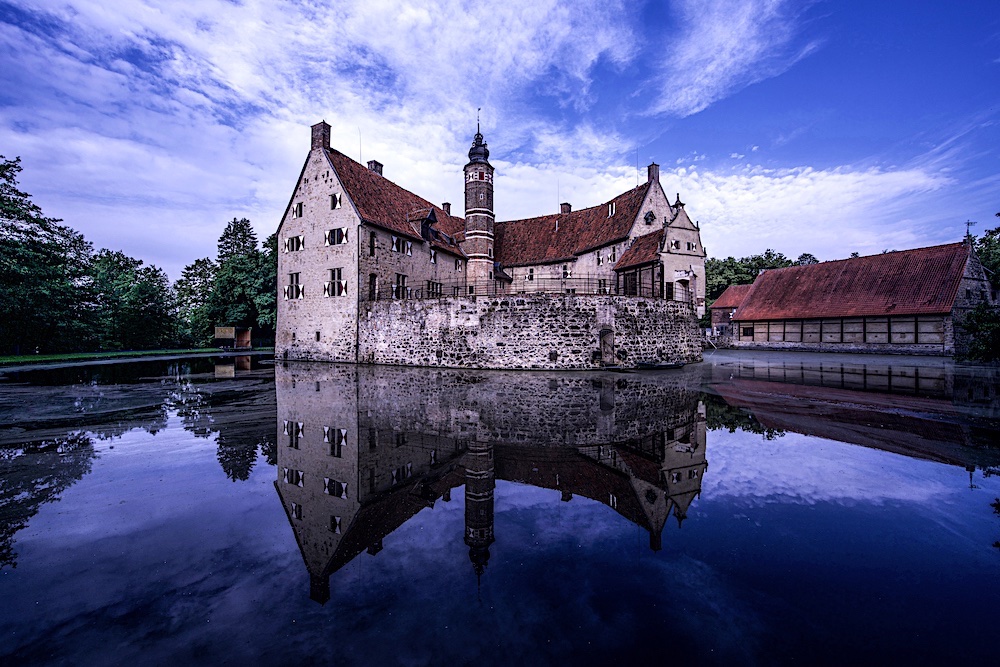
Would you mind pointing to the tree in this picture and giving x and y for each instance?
(988, 249)
(238, 238)
(806, 258)
(192, 291)
(721, 273)
(245, 284)
(43, 274)
(133, 302)
(982, 325)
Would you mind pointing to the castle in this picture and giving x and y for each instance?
(372, 273)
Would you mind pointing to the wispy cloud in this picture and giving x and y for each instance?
(723, 46)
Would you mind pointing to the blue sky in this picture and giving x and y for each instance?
(825, 127)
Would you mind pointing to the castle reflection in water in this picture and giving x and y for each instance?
(361, 450)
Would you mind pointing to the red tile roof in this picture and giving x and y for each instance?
(383, 203)
(644, 250)
(732, 297)
(909, 282)
(553, 238)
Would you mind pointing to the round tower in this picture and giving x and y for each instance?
(479, 484)
(479, 217)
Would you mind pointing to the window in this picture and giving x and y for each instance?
(336, 236)
(335, 524)
(692, 474)
(402, 473)
(336, 437)
(317, 340)
(296, 511)
(613, 500)
(692, 246)
(600, 260)
(489, 251)
(336, 201)
(458, 265)
(472, 290)
(297, 210)
(332, 487)
(336, 285)
(294, 431)
(611, 209)
(531, 275)
(614, 255)
(402, 245)
(434, 289)
(371, 244)
(293, 290)
(293, 477)
(566, 273)
(294, 243)
(746, 331)
(675, 244)
(399, 290)
(400, 438)
(675, 477)
(602, 286)
(649, 217)
(434, 256)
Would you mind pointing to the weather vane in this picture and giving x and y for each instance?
(478, 109)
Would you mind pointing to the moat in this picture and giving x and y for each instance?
(757, 508)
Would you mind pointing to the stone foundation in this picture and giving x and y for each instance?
(524, 331)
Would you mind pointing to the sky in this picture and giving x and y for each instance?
(826, 127)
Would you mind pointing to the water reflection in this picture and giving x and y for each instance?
(52, 420)
(931, 409)
(362, 450)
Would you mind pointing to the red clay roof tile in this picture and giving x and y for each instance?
(541, 241)
(644, 250)
(732, 297)
(923, 281)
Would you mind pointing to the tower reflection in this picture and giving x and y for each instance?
(361, 450)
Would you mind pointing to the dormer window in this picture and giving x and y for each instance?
(336, 201)
(650, 217)
(611, 209)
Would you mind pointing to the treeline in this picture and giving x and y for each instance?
(58, 295)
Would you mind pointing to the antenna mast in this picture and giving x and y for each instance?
(968, 226)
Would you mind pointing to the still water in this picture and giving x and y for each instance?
(753, 509)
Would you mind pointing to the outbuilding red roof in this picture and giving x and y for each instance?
(910, 282)
(644, 250)
(732, 297)
(553, 238)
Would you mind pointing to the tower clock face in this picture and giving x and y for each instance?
(478, 176)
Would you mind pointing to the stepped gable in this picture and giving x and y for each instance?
(538, 241)
(644, 250)
(383, 203)
(910, 282)
(732, 297)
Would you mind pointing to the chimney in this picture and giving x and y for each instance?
(447, 207)
(321, 135)
(375, 166)
(653, 173)
(565, 207)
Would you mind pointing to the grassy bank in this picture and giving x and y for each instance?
(92, 356)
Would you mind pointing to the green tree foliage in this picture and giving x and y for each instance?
(988, 249)
(982, 325)
(133, 303)
(238, 239)
(806, 258)
(192, 291)
(721, 273)
(43, 274)
(245, 283)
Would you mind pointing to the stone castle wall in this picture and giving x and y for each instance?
(525, 331)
